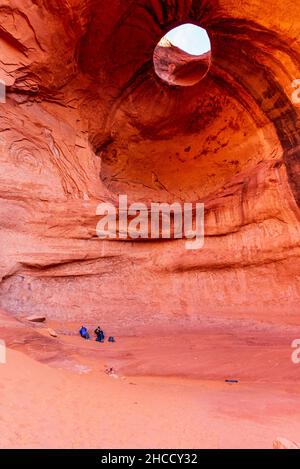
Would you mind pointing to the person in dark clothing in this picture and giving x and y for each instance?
(100, 334)
(84, 333)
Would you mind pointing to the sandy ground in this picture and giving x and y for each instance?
(165, 391)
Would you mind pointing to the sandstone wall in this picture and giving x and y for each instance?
(87, 118)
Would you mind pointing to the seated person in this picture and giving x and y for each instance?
(100, 334)
(84, 333)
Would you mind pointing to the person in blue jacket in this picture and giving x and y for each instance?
(84, 333)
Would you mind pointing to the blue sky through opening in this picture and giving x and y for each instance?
(190, 38)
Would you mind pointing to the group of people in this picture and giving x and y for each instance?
(98, 332)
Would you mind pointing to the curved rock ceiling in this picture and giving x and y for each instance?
(87, 118)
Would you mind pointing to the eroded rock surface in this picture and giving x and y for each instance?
(87, 118)
(177, 67)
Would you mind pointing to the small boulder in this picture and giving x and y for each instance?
(283, 443)
(52, 332)
(36, 318)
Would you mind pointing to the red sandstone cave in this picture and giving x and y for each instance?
(87, 118)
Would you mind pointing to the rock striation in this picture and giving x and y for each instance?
(87, 118)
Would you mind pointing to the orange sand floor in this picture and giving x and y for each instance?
(167, 391)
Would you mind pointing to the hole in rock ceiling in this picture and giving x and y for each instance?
(183, 56)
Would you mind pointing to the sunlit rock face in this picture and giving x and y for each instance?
(176, 67)
(87, 118)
